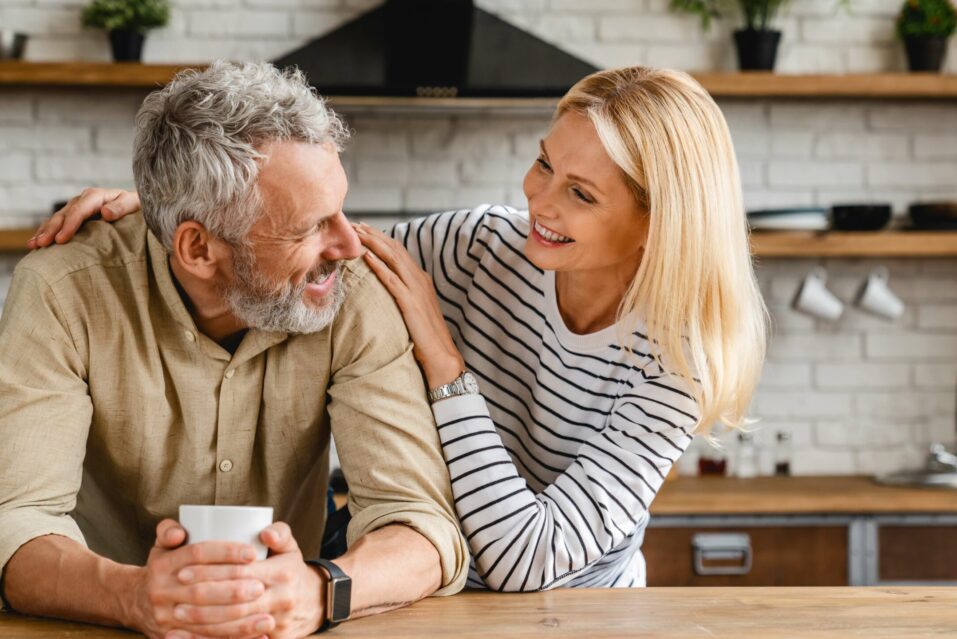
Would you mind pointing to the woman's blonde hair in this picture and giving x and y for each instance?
(695, 289)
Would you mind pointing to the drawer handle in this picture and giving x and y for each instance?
(721, 547)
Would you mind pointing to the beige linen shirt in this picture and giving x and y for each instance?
(115, 409)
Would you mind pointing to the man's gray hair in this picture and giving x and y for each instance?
(195, 153)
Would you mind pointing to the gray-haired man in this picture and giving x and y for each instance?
(205, 360)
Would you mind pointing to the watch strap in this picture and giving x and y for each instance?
(339, 594)
(464, 384)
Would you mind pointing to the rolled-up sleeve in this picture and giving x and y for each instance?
(384, 430)
(45, 413)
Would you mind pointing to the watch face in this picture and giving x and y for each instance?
(470, 383)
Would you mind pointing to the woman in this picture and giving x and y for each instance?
(603, 326)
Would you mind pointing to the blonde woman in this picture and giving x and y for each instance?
(573, 350)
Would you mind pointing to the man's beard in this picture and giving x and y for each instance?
(258, 303)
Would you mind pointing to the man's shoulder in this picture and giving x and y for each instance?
(98, 244)
(357, 275)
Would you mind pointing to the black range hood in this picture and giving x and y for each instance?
(435, 48)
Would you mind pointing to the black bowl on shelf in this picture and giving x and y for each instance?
(932, 216)
(860, 217)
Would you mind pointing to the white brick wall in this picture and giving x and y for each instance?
(860, 395)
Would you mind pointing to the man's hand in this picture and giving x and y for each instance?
(293, 600)
(208, 576)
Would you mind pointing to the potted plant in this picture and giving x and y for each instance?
(924, 26)
(757, 43)
(126, 22)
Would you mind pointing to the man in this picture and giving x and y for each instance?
(205, 360)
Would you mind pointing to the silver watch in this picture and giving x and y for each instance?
(464, 384)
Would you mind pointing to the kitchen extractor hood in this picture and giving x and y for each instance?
(436, 48)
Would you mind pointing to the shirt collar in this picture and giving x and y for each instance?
(254, 342)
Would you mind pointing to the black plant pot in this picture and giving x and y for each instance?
(127, 45)
(925, 53)
(757, 49)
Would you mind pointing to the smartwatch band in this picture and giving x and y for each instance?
(339, 594)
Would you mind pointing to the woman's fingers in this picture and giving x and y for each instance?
(125, 203)
(392, 282)
(63, 225)
(390, 251)
(83, 208)
(47, 230)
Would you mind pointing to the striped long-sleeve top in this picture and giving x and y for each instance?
(555, 464)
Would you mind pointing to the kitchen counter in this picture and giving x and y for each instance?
(796, 495)
(734, 613)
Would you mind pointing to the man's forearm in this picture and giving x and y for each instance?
(390, 567)
(53, 576)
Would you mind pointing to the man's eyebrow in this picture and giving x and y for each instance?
(571, 176)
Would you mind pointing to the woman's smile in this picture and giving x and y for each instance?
(548, 237)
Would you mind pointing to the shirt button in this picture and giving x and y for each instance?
(226, 465)
(230, 373)
(190, 336)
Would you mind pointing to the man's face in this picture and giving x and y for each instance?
(287, 277)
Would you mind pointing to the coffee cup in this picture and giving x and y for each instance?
(875, 295)
(815, 299)
(226, 523)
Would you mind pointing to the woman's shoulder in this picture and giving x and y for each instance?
(504, 221)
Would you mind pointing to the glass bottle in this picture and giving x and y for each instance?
(746, 462)
(782, 454)
(712, 460)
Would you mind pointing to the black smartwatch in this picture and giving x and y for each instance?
(338, 594)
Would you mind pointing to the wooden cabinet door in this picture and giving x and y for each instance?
(917, 553)
(780, 556)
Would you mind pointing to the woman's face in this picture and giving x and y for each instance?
(583, 215)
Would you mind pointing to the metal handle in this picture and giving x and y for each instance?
(721, 546)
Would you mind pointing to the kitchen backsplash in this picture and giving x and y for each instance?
(861, 395)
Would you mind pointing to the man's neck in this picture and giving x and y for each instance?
(205, 304)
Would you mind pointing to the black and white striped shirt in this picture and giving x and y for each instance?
(554, 466)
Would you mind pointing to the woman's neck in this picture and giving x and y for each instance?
(588, 301)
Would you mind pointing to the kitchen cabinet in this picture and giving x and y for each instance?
(800, 531)
(804, 554)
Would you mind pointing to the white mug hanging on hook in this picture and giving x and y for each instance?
(876, 296)
(815, 299)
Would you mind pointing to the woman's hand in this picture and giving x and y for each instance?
(414, 293)
(112, 204)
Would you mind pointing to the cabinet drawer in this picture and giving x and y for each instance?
(779, 556)
(917, 553)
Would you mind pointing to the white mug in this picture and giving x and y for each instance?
(875, 296)
(226, 523)
(814, 298)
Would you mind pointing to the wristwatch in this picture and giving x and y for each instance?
(339, 594)
(464, 384)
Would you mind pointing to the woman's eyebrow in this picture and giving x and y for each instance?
(575, 178)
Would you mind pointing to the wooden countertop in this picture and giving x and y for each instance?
(734, 613)
(796, 495)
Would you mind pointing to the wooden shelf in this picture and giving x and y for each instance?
(720, 84)
(861, 244)
(13, 240)
(795, 495)
(129, 75)
(765, 243)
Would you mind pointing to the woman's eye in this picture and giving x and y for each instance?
(581, 196)
(542, 163)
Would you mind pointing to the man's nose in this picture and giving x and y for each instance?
(343, 242)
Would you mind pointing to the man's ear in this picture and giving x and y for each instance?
(198, 251)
